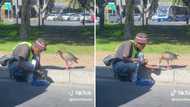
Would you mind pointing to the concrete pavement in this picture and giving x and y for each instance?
(114, 93)
(79, 76)
(176, 75)
(171, 89)
(74, 88)
(76, 76)
(17, 94)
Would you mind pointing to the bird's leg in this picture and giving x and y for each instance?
(171, 64)
(168, 65)
(66, 65)
(160, 60)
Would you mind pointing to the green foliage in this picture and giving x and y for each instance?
(78, 40)
(162, 38)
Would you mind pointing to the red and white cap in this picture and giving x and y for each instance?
(141, 38)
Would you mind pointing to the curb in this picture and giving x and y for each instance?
(78, 76)
(71, 76)
(168, 76)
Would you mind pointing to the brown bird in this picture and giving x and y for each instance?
(168, 57)
(68, 57)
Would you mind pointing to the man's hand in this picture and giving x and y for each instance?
(145, 62)
(152, 67)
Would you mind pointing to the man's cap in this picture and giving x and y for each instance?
(141, 38)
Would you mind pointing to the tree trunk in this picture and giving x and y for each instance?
(39, 14)
(101, 14)
(120, 12)
(83, 21)
(16, 8)
(187, 15)
(143, 15)
(129, 22)
(43, 21)
(146, 20)
(25, 20)
(44, 11)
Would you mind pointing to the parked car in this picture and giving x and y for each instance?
(170, 13)
(51, 17)
(86, 17)
(75, 17)
(64, 16)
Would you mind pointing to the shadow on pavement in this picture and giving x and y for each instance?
(111, 92)
(61, 68)
(175, 66)
(14, 93)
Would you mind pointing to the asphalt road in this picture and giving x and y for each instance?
(34, 22)
(55, 95)
(114, 93)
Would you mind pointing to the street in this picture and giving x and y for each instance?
(65, 91)
(34, 22)
(114, 93)
(55, 95)
(111, 92)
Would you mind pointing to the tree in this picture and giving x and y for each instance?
(25, 20)
(101, 6)
(186, 3)
(129, 22)
(1, 3)
(147, 9)
(83, 4)
(41, 7)
(177, 2)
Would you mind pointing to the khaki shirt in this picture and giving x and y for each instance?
(123, 50)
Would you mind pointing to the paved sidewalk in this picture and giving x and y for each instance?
(19, 94)
(72, 76)
(179, 75)
(73, 88)
(77, 76)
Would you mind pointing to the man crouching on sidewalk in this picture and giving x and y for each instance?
(129, 58)
(25, 61)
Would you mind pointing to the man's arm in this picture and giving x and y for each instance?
(36, 62)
